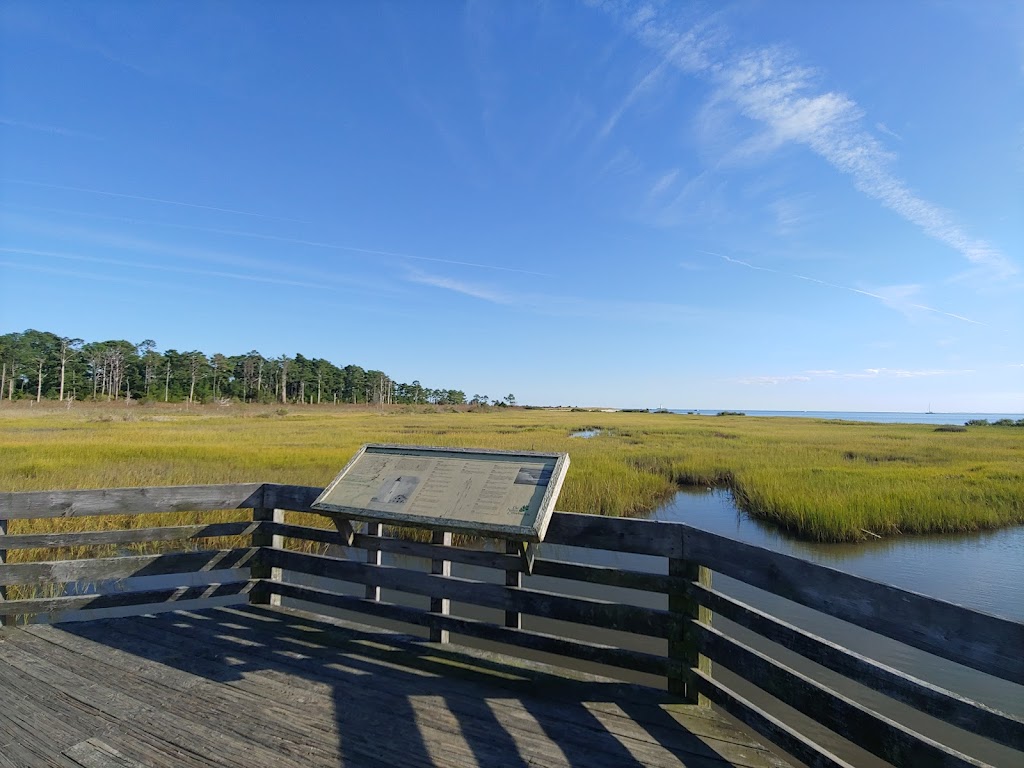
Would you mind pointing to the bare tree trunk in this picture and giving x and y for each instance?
(284, 381)
(39, 381)
(167, 382)
(3, 381)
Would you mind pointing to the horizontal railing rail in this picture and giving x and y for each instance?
(279, 554)
(90, 582)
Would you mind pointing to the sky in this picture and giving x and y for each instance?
(744, 205)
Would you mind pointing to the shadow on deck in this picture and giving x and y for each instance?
(258, 686)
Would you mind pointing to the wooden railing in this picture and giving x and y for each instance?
(276, 551)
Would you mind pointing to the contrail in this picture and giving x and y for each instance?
(149, 199)
(883, 299)
(292, 241)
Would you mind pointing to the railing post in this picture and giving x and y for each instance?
(441, 605)
(4, 620)
(682, 642)
(265, 594)
(373, 557)
(513, 619)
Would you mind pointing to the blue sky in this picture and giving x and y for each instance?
(782, 205)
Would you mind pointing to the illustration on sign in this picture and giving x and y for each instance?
(501, 492)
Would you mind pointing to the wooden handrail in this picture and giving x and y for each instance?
(984, 642)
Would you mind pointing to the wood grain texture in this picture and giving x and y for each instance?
(130, 536)
(937, 702)
(577, 649)
(5, 619)
(889, 740)
(683, 647)
(264, 538)
(396, 546)
(594, 531)
(258, 687)
(128, 501)
(984, 642)
(793, 742)
(113, 568)
(600, 613)
(150, 597)
(94, 753)
(642, 537)
(443, 568)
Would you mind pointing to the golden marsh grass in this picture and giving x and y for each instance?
(826, 481)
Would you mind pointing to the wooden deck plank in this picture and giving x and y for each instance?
(262, 686)
(661, 728)
(95, 753)
(457, 718)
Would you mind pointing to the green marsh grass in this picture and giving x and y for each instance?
(820, 480)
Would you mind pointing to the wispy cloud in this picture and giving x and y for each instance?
(564, 306)
(664, 182)
(273, 280)
(864, 373)
(54, 130)
(100, 277)
(143, 198)
(285, 240)
(457, 286)
(896, 297)
(883, 128)
(768, 85)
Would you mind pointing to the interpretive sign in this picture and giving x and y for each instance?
(504, 494)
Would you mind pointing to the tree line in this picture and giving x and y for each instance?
(41, 365)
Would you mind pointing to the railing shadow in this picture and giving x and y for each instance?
(377, 698)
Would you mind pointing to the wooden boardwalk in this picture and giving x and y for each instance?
(255, 686)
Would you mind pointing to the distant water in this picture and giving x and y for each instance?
(882, 417)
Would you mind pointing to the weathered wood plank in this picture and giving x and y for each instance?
(5, 619)
(187, 698)
(373, 556)
(537, 641)
(264, 537)
(94, 753)
(396, 695)
(555, 700)
(112, 568)
(945, 705)
(329, 665)
(183, 728)
(128, 501)
(984, 642)
(298, 498)
(611, 577)
(683, 647)
(600, 613)
(399, 546)
(31, 730)
(869, 730)
(152, 597)
(642, 537)
(129, 536)
(440, 605)
(514, 578)
(793, 742)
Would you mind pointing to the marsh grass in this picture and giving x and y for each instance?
(821, 480)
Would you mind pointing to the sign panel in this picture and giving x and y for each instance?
(504, 494)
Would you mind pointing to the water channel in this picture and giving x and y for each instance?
(984, 571)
